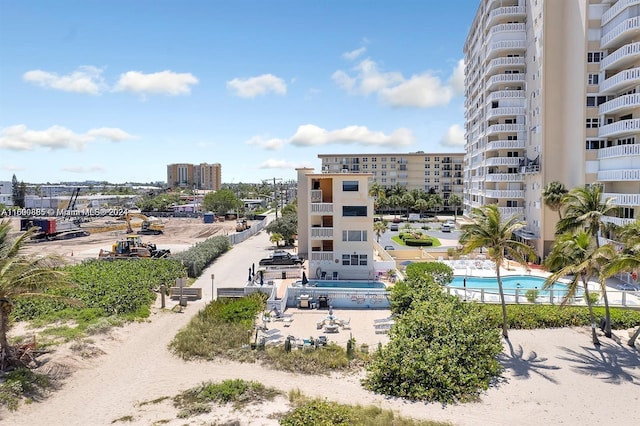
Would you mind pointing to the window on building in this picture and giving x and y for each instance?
(595, 144)
(384, 159)
(354, 235)
(350, 186)
(354, 260)
(626, 212)
(594, 101)
(348, 211)
(427, 173)
(595, 56)
(593, 123)
(593, 78)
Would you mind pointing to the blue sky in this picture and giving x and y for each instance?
(116, 90)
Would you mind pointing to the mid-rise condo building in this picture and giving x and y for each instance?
(198, 176)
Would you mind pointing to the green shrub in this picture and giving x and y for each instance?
(419, 242)
(594, 297)
(532, 295)
(200, 255)
(20, 384)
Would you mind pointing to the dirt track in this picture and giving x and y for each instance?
(179, 234)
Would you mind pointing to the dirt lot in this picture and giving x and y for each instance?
(179, 234)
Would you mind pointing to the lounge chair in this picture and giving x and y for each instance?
(346, 325)
(335, 275)
(323, 275)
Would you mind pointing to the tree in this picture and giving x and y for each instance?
(583, 209)
(21, 276)
(421, 205)
(489, 230)
(18, 191)
(455, 201)
(575, 255)
(287, 226)
(552, 194)
(379, 228)
(395, 201)
(276, 238)
(378, 193)
(221, 202)
(407, 202)
(435, 201)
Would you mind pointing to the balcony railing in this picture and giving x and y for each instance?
(504, 177)
(505, 94)
(508, 11)
(507, 28)
(627, 27)
(619, 175)
(618, 104)
(530, 169)
(505, 128)
(505, 111)
(620, 128)
(321, 233)
(503, 161)
(621, 80)
(510, 211)
(514, 61)
(505, 194)
(627, 53)
(622, 199)
(504, 79)
(617, 220)
(321, 256)
(619, 151)
(505, 144)
(321, 208)
(316, 196)
(617, 8)
(499, 46)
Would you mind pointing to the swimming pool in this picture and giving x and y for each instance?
(342, 284)
(511, 284)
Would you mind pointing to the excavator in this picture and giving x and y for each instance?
(133, 247)
(150, 225)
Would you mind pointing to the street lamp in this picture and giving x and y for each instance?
(213, 276)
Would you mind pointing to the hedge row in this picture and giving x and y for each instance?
(200, 255)
(418, 242)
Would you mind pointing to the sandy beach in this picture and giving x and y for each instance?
(553, 376)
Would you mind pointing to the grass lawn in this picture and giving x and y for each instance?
(398, 240)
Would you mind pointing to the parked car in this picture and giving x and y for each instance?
(389, 248)
(393, 227)
(281, 257)
(446, 228)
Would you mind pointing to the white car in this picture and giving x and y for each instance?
(446, 228)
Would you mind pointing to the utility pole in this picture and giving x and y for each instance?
(275, 194)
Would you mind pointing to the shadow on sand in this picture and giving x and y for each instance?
(524, 366)
(612, 362)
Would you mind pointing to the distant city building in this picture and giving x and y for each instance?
(6, 193)
(439, 173)
(197, 176)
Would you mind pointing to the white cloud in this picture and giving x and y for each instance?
(271, 144)
(11, 168)
(164, 82)
(80, 169)
(454, 137)
(279, 164)
(86, 79)
(354, 53)
(422, 91)
(20, 138)
(256, 86)
(311, 135)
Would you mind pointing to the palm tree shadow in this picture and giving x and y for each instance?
(523, 367)
(612, 363)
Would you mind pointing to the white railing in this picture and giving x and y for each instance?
(506, 45)
(321, 233)
(530, 169)
(619, 151)
(625, 51)
(623, 78)
(503, 161)
(631, 24)
(505, 128)
(505, 94)
(622, 199)
(619, 221)
(504, 177)
(505, 78)
(617, 104)
(505, 111)
(506, 62)
(507, 10)
(321, 255)
(509, 193)
(615, 9)
(619, 128)
(619, 175)
(321, 207)
(510, 211)
(501, 28)
(505, 144)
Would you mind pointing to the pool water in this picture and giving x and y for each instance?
(343, 284)
(510, 284)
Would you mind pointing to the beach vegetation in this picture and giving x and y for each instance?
(21, 384)
(200, 255)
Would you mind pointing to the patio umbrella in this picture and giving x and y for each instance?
(305, 281)
(253, 269)
(261, 277)
(249, 274)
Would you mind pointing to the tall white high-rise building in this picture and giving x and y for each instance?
(552, 95)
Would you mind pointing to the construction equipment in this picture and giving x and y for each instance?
(150, 225)
(133, 247)
(52, 228)
(242, 225)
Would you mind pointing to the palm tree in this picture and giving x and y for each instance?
(421, 205)
(436, 200)
(628, 259)
(276, 238)
(21, 276)
(489, 230)
(379, 228)
(377, 191)
(408, 202)
(575, 254)
(583, 209)
(552, 195)
(455, 201)
(394, 202)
